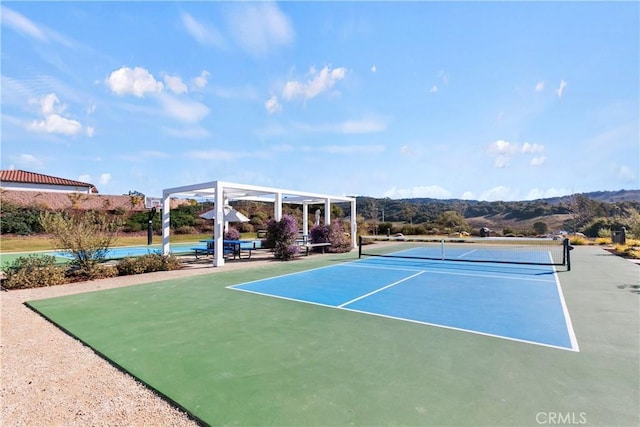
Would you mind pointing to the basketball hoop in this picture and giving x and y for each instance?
(153, 202)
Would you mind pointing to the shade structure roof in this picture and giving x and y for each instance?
(234, 191)
(230, 215)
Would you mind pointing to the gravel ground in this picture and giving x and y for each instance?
(48, 378)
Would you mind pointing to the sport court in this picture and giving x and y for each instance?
(241, 358)
(521, 303)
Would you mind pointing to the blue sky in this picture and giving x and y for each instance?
(487, 101)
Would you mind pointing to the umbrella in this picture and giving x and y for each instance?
(230, 215)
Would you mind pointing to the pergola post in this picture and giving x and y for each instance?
(277, 208)
(218, 227)
(305, 218)
(166, 222)
(327, 211)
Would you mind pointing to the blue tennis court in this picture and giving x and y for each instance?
(134, 251)
(516, 302)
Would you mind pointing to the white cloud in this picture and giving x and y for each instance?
(202, 80)
(135, 81)
(501, 161)
(260, 27)
(367, 125)
(317, 83)
(443, 76)
(499, 193)
(56, 124)
(190, 132)
(362, 126)
(21, 24)
(175, 84)
(49, 104)
(626, 174)
(222, 155)
(183, 110)
(105, 178)
(503, 147)
(434, 89)
(430, 191)
(505, 150)
(539, 86)
(53, 122)
(532, 148)
(89, 130)
(468, 195)
(537, 161)
(272, 105)
(204, 34)
(348, 149)
(28, 161)
(373, 69)
(560, 89)
(85, 178)
(405, 150)
(538, 193)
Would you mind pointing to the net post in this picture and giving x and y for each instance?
(360, 246)
(442, 249)
(567, 253)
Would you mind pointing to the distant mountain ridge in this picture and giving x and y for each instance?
(600, 196)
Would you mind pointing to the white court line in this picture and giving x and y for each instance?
(567, 318)
(437, 271)
(381, 289)
(437, 325)
(467, 253)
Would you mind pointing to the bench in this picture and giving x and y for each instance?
(235, 248)
(309, 246)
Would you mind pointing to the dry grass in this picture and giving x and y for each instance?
(44, 243)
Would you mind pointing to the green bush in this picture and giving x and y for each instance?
(99, 271)
(34, 271)
(148, 264)
(19, 220)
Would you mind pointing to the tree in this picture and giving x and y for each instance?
(541, 227)
(87, 236)
(452, 221)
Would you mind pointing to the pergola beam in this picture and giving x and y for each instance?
(223, 192)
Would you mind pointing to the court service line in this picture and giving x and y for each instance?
(426, 270)
(381, 289)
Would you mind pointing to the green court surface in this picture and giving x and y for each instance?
(234, 358)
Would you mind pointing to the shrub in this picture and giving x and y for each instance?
(148, 264)
(578, 240)
(333, 234)
(232, 234)
(100, 271)
(19, 220)
(34, 271)
(185, 229)
(281, 236)
(87, 236)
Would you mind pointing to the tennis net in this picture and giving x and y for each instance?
(508, 250)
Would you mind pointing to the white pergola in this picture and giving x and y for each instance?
(224, 192)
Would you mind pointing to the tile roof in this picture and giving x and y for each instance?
(17, 175)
